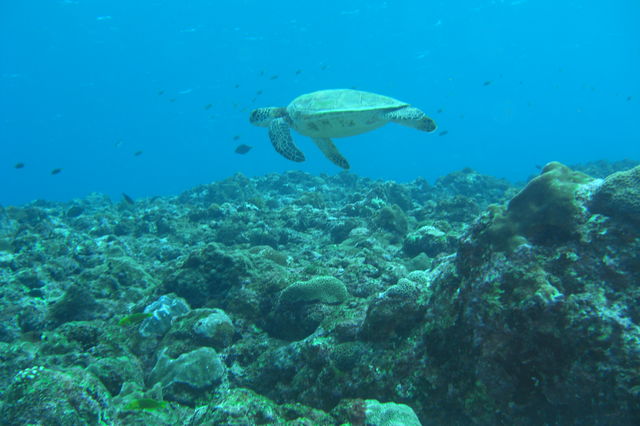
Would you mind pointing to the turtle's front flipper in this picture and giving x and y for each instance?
(412, 117)
(280, 135)
(331, 152)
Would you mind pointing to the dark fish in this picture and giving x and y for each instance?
(258, 92)
(160, 92)
(19, 166)
(137, 153)
(298, 72)
(208, 106)
(274, 77)
(236, 86)
(442, 133)
(32, 336)
(440, 111)
(628, 98)
(236, 137)
(128, 199)
(172, 100)
(243, 149)
(324, 67)
(55, 171)
(262, 73)
(486, 83)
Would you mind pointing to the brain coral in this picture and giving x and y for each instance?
(323, 289)
(619, 196)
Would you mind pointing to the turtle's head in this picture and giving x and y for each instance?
(262, 117)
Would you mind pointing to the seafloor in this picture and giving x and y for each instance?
(326, 300)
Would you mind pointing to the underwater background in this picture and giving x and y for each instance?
(161, 264)
(85, 85)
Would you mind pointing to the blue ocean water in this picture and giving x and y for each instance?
(86, 85)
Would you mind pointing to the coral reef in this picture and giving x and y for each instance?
(299, 299)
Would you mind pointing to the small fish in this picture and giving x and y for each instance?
(442, 133)
(160, 92)
(274, 77)
(55, 171)
(258, 92)
(298, 72)
(237, 86)
(236, 137)
(243, 149)
(119, 143)
(146, 404)
(262, 73)
(208, 106)
(172, 100)
(629, 98)
(128, 199)
(19, 166)
(137, 153)
(440, 111)
(324, 67)
(134, 318)
(486, 83)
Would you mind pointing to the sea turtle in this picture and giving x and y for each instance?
(334, 113)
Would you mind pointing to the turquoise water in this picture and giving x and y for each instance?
(85, 85)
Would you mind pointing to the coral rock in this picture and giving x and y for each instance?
(619, 196)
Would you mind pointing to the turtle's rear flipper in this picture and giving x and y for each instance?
(412, 117)
(280, 135)
(331, 152)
